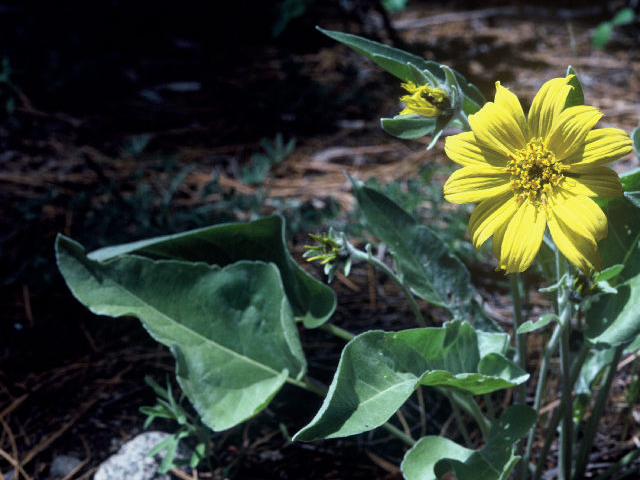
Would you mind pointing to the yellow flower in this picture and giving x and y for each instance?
(424, 100)
(530, 173)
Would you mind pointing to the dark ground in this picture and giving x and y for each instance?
(125, 121)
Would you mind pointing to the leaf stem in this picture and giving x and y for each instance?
(566, 401)
(596, 415)
(521, 359)
(464, 120)
(624, 461)
(337, 331)
(555, 419)
(552, 346)
(469, 404)
(366, 257)
(566, 431)
(459, 420)
(399, 433)
(521, 340)
(306, 384)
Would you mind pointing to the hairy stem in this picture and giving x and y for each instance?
(459, 420)
(469, 405)
(555, 419)
(364, 256)
(540, 389)
(596, 415)
(521, 358)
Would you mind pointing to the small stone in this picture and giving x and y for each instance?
(9, 475)
(62, 466)
(132, 463)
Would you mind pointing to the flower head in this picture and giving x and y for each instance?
(530, 173)
(331, 250)
(424, 100)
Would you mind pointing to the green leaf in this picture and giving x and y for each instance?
(379, 370)
(543, 321)
(576, 95)
(615, 319)
(423, 259)
(408, 126)
(621, 244)
(623, 17)
(230, 329)
(420, 460)
(609, 273)
(391, 59)
(399, 63)
(601, 34)
(597, 360)
(225, 244)
(433, 457)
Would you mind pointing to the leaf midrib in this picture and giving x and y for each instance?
(193, 332)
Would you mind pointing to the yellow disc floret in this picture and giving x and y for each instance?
(534, 172)
(424, 100)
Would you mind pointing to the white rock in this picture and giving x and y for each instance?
(62, 466)
(131, 461)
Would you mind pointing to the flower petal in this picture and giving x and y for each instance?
(596, 182)
(570, 129)
(575, 223)
(489, 216)
(522, 238)
(464, 149)
(603, 145)
(582, 214)
(546, 105)
(498, 236)
(507, 100)
(474, 184)
(495, 128)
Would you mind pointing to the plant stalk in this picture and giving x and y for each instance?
(521, 359)
(365, 257)
(469, 405)
(521, 340)
(459, 420)
(555, 419)
(596, 415)
(566, 431)
(540, 389)
(337, 331)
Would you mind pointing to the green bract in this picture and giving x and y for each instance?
(465, 97)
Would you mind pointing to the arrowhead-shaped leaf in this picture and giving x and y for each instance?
(423, 259)
(433, 457)
(225, 244)
(230, 329)
(398, 63)
(615, 319)
(378, 371)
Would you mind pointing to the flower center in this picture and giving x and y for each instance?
(435, 97)
(534, 171)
